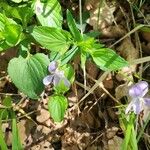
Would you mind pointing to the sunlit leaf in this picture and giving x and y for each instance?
(16, 143)
(57, 106)
(3, 144)
(69, 55)
(48, 13)
(28, 73)
(107, 59)
(17, 1)
(73, 28)
(12, 33)
(52, 38)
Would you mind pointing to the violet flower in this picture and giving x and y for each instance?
(137, 93)
(56, 76)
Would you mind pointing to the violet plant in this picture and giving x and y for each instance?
(138, 101)
(56, 76)
(61, 84)
(28, 71)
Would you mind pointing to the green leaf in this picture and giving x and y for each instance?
(3, 144)
(23, 13)
(61, 88)
(69, 55)
(4, 46)
(68, 71)
(17, 1)
(66, 57)
(52, 38)
(10, 31)
(87, 44)
(16, 143)
(144, 29)
(48, 13)
(57, 106)
(5, 21)
(133, 140)
(73, 28)
(128, 133)
(7, 101)
(4, 112)
(28, 73)
(53, 56)
(12, 34)
(107, 59)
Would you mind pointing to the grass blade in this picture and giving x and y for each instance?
(3, 144)
(16, 143)
(128, 133)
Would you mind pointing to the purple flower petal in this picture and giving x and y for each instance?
(52, 66)
(56, 80)
(48, 79)
(66, 82)
(147, 101)
(137, 106)
(139, 89)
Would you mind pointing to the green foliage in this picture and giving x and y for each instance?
(48, 13)
(3, 144)
(145, 29)
(73, 28)
(61, 88)
(23, 13)
(52, 38)
(16, 143)
(69, 55)
(16, 1)
(7, 102)
(28, 73)
(4, 114)
(10, 32)
(9, 114)
(128, 125)
(57, 106)
(19, 27)
(69, 72)
(107, 59)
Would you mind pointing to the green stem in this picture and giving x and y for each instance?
(80, 14)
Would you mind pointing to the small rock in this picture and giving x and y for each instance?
(111, 132)
(45, 145)
(8, 138)
(5, 126)
(43, 116)
(36, 147)
(115, 143)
